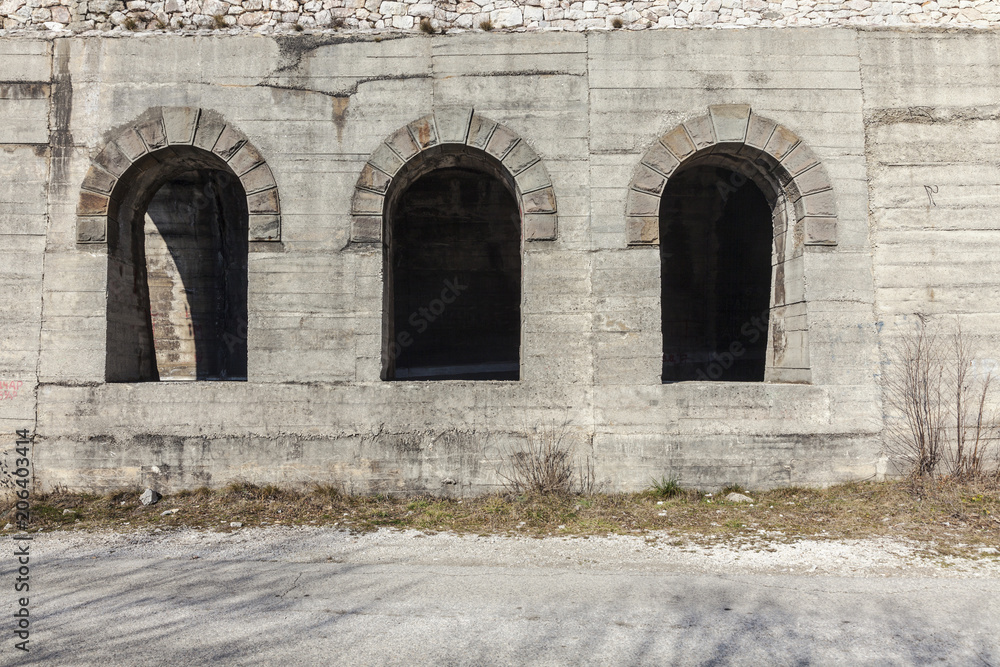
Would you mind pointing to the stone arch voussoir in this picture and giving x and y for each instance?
(152, 137)
(735, 130)
(454, 127)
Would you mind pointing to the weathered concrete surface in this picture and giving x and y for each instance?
(884, 113)
(299, 596)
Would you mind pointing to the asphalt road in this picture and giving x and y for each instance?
(334, 605)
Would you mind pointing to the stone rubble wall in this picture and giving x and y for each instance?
(268, 16)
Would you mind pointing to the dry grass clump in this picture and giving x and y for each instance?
(671, 488)
(268, 492)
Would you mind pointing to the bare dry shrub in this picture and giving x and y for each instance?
(944, 418)
(544, 463)
(587, 477)
(914, 384)
(975, 416)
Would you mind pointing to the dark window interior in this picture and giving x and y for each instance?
(454, 279)
(715, 252)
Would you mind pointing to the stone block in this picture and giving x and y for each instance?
(180, 124)
(366, 228)
(263, 202)
(520, 158)
(820, 204)
(385, 160)
(647, 180)
(781, 143)
(153, 134)
(643, 230)
(533, 178)
(701, 131)
(259, 178)
(539, 201)
(92, 229)
(229, 143)
(367, 203)
(245, 159)
(402, 143)
(210, 127)
(759, 131)
(799, 159)
(131, 144)
(730, 122)
(501, 142)
(374, 179)
(539, 227)
(507, 18)
(265, 228)
(642, 204)
(424, 132)
(812, 180)
(452, 125)
(91, 203)
(660, 159)
(480, 130)
(113, 160)
(678, 142)
(99, 180)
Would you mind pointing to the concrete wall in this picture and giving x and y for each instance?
(884, 113)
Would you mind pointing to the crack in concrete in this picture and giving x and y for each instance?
(922, 115)
(293, 586)
(540, 72)
(346, 92)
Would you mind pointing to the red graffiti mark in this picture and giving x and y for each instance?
(9, 389)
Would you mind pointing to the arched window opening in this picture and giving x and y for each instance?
(196, 271)
(453, 272)
(177, 271)
(716, 237)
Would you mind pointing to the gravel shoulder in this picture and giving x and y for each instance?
(656, 551)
